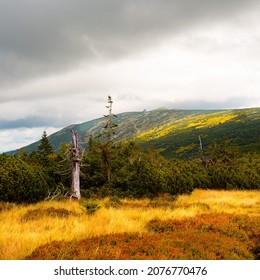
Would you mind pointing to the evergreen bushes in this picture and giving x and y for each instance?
(134, 173)
(21, 182)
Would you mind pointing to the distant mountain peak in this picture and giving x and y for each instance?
(175, 132)
(162, 109)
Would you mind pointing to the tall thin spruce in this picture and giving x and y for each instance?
(107, 147)
(109, 127)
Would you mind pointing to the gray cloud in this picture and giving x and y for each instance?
(230, 103)
(40, 37)
(25, 123)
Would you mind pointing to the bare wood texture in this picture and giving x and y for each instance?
(75, 158)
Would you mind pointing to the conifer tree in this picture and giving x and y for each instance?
(107, 147)
(45, 148)
(104, 150)
(110, 125)
(46, 157)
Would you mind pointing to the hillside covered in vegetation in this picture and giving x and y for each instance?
(174, 132)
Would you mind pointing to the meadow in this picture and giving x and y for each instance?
(207, 224)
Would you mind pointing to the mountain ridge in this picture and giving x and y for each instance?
(174, 131)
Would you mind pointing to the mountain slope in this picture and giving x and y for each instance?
(181, 137)
(175, 132)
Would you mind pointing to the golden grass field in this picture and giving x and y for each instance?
(24, 228)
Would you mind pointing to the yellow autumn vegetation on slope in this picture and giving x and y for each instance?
(197, 122)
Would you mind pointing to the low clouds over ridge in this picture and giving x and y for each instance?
(60, 59)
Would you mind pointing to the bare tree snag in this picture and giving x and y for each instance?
(200, 146)
(203, 159)
(75, 158)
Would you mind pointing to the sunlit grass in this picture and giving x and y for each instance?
(19, 237)
(201, 121)
(231, 202)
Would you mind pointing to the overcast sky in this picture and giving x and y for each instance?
(59, 60)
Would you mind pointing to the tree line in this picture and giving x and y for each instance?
(123, 169)
(28, 178)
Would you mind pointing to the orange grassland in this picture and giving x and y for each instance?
(204, 225)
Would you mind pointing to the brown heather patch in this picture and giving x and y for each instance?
(39, 213)
(213, 237)
(5, 206)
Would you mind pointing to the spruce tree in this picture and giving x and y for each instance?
(47, 158)
(45, 148)
(110, 125)
(108, 147)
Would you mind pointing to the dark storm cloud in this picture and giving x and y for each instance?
(31, 122)
(43, 36)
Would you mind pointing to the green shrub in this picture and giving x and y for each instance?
(113, 202)
(21, 182)
(90, 206)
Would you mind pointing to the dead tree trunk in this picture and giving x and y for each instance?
(75, 158)
(200, 147)
(201, 154)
